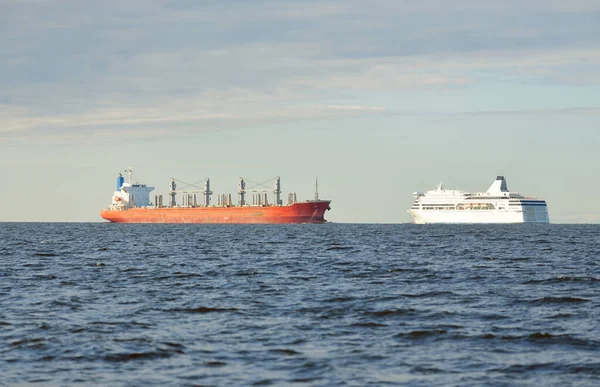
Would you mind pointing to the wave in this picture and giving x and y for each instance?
(390, 312)
(591, 368)
(561, 279)
(547, 338)
(419, 334)
(558, 300)
(282, 351)
(202, 309)
(368, 325)
(124, 357)
(429, 294)
(215, 363)
(180, 274)
(340, 299)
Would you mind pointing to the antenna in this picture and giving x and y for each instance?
(316, 188)
(129, 170)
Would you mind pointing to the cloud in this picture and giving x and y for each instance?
(215, 109)
(579, 111)
(91, 66)
(358, 108)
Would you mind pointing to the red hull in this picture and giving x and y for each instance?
(306, 212)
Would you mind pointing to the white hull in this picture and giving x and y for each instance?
(540, 215)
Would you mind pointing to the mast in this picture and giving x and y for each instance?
(241, 192)
(129, 171)
(316, 188)
(172, 192)
(207, 192)
(277, 192)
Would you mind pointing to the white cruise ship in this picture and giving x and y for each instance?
(496, 205)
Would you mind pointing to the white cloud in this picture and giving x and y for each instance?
(215, 109)
(88, 65)
(358, 108)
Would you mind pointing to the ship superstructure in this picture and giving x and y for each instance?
(130, 194)
(131, 203)
(496, 205)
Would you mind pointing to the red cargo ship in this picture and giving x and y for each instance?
(131, 204)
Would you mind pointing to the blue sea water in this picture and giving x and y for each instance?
(331, 304)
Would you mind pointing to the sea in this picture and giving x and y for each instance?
(307, 305)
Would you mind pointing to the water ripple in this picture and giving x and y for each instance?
(332, 304)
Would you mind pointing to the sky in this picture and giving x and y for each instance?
(377, 99)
